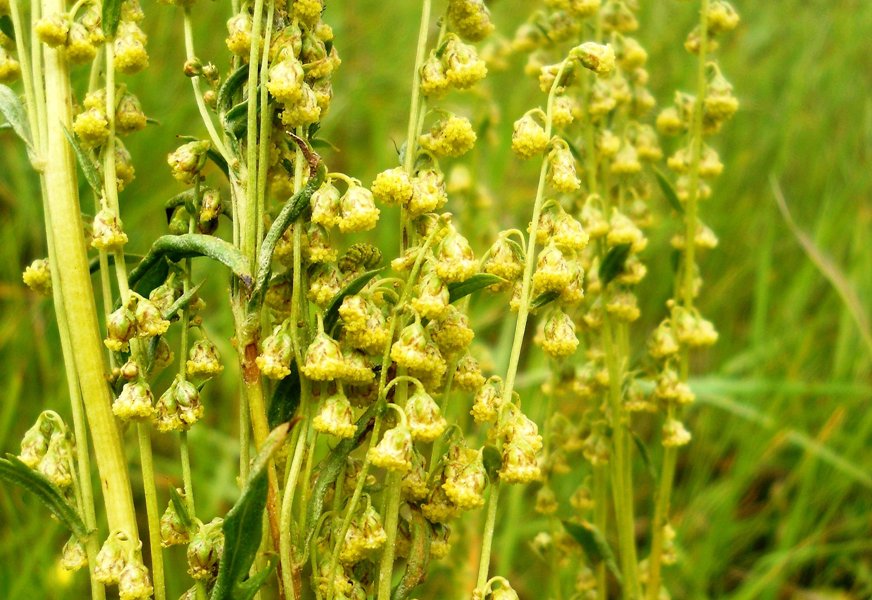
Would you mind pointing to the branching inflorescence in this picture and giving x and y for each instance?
(368, 360)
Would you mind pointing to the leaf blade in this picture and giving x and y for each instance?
(668, 191)
(613, 263)
(13, 111)
(89, 169)
(594, 544)
(331, 316)
(476, 283)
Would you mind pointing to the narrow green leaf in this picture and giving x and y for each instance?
(243, 527)
(668, 191)
(191, 245)
(6, 26)
(89, 167)
(111, 17)
(331, 316)
(183, 301)
(16, 472)
(14, 113)
(419, 554)
(229, 87)
(292, 209)
(323, 144)
(594, 545)
(181, 508)
(646, 456)
(285, 398)
(492, 460)
(329, 470)
(613, 263)
(477, 282)
(544, 299)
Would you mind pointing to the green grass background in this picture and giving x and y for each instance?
(774, 495)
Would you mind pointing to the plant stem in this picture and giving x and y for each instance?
(143, 431)
(670, 453)
(488, 536)
(392, 512)
(600, 516)
(64, 223)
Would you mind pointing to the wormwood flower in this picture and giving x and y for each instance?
(426, 422)
(133, 582)
(410, 349)
(203, 359)
(364, 535)
(520, 463)
(392, 187)
(467, 374)
(451, 331)
(504, 259)
(336, 417)
(622, 230)
(91, 127)
(274, 360)
(552, 271)
(455, 260)
(528, 137)
(432, 296)
(149, 321)
(674, 434)
(52, 30)
(599, 58)
(453, 136)
(73, 556)
(10, 69)
(394, 451)
(179, 407)
(129, 117)
(205, 550)
(325, 204)
(37, 276)
(663, 342)
(691, 329)
(561, 169)
(308, 11)
(464, 477)
(428, 192)
(439, 508)
(188, 160)
(325, 284)
(55, 464)
(304, 111)
(626, 161)
(135, 402)
(107, 233)
(559, 338)
(80, 48)
(130, 54)
(324, 360)
(286, 80)
(110, 560)
(121, 328)
(172, 531)
(721, 17)
(34, 444)
(488, 400)
(463, 67)
(358, 210)
(434, 81)
(470, 18)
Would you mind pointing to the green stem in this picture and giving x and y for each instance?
(488, 536)
(600, 516)
(250, 214)
(143, 431)
(386, 568)
(670, 454)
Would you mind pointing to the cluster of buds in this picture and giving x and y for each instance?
(49, 448)
(10, 68)
(119, 563)
(138, 317)
(179, 407)
(37, 276)
(205, 550)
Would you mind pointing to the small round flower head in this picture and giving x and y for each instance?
(129, 117)
(365, 534)
(546, 501)
(671, 389)
(149, 321)
(133, 581)
(426, 422)
(568, 232)
(410, 349)
(179, 407)
(561, 169)
(432, 296)
(135, 402)
(505, 259)
(691, 329)
(623, 306)
(73, 556)
(392, 187)
(308, 11)
(304, 111)
(172, 531)
(434, 81)
(663, 342)
(593, 220)
(325, 205)
(80, 48)
(599, 58)
(37, 277)
(488, 400)
(552, 271)
(239, 34)
(520, 462)
(463, 67)
(453, 136)
(675, 434)
(10, 69)
(324, 360)
(121, 328)
(455, 260)
(274, 360)
(203, 360)
(52, 30)
(124, 170)
(394, 451)
(669, 121)
(110, 560)
(528, 137)
(428, 192)
(451, 331)
(55, 464)
(107, 233)
(470, 18)
(91, 127)
(286, 80)
(35, 442)
(205, 550)
(188, 160)
(325, 283)
(467, 375)
(721, 17)
(559, 339)
(439, 508)
(336, 417)
(464, 477)
(358, 210)
(373, 335)
(626, 161)
(622, 230)
(130, 54)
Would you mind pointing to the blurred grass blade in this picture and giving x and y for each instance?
(6, 27)
(828, 268)
(111, 17)
(594, 545)
(668, 191)
(613, 263)
(16, 472)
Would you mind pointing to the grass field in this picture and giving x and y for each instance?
(773, 498)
